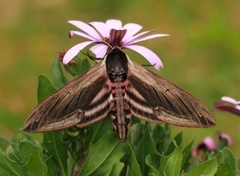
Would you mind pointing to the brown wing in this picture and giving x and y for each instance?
(81, 102)
(152, 98)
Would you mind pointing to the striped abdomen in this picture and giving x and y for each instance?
(116, 66)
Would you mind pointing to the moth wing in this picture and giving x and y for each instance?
(81, 102)
(153, 98)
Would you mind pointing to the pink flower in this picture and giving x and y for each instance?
(208, 144)
(112, 34)
(227, 137)
(229, 104)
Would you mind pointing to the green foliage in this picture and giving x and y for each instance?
(96, 150)
(23, 157)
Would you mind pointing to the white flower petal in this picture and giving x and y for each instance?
(81, 34)
(146, 38)
(114, 24)
(237, 106)
(99, 50)
(132, 29)
(72, 52)
(140, 35)
(86, 28)
(102, 28)
(148, 54)
(230, 100)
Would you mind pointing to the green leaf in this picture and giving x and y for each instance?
(103, 154)
(134, 168)
(45, 88)
(3, 144)
(81, 65)
(145, 147)
(57, 73)
(13, 151)
(116, 169)
(153, 169)
(56, 149)
(228, 158)
(26, 148)
(161, 137)
(163, 163)
(207, 168)
(174, 163)
(186, 155)
(177, 141)
(32, 157)
(97, 130)
(224, 169)
(4, 172)
(10, 165)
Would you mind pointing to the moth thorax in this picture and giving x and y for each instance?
(116, 65)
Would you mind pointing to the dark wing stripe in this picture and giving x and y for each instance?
(168, 102)
(138, 106)
(66, 107)
(180, 106)
(90, 118)
(103, 95)
(135, 98)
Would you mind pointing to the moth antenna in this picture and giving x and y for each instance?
(91, 57)
(148, 65)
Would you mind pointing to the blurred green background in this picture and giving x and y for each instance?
(201, 55)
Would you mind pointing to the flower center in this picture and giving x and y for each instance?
(116, 37)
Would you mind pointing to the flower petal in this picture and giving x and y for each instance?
(229, 108)
(132, 29)
(99, 50)
(227, 137)
(81, 34)
(210, 143)
(72, 52)
(140, 35)
(86, 28)
(114, 24)
(102, 28)
(143, 36)
(230, 100)
(148, 54)
(147, 38)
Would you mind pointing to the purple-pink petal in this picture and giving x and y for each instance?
(227, 137)
(114, 24)
(226, 107)
(210, 143)
(230, 100)
(138, 36)
(99, 50)
(86, 28)
(102, 28)
(148, 54)
(147, 38)
(132, 29)
(81, 34)
(72, 52)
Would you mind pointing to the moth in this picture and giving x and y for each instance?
(121, 88)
